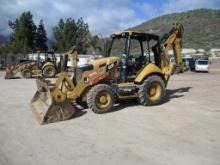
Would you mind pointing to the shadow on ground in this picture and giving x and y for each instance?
(170, 94)
(119, 105)
(175, 93)
(122, 104)
(80, 110)
(10, 78)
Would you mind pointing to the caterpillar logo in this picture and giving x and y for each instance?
(110, 66)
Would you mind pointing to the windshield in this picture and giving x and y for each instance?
(118, 47)
(202, 62)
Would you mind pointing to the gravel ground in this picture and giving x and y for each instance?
(185, 130)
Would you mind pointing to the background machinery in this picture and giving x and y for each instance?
(48, 66)
(136, 67)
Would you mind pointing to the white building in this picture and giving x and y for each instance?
(185, 51)
(201, 50)
(83, 58)
(215, 52)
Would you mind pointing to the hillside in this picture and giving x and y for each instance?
(202, 27)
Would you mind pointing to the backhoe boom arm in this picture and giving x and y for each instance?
(172, 40)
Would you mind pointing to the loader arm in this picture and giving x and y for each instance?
(50, 103)
(172, 40)
(73, 55)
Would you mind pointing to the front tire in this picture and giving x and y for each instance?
(101, 98)
(151, 91)
(26, 73)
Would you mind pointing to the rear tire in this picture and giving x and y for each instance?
(152, 91)
(26, 73)
(101, 98)
(49, 71)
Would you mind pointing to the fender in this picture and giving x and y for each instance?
(48, 64)
(148, 69)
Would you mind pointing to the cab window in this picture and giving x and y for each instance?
(135, 49)
(118, 47)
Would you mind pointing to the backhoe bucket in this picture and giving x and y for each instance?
(45, 108)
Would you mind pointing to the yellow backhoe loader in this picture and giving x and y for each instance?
(47, 66)
(136, 67)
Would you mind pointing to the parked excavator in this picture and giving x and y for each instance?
(136, 66)
(47, 66)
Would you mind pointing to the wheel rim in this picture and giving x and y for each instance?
(103, 100)
(154, 91)
(50, 72)
(27, 74)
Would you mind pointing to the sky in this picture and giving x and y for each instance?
(102, 16)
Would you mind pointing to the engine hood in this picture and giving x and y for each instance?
(105, 61)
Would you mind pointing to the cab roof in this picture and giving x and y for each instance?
(135, 35)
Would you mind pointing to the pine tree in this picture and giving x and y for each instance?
(69, 33)
(23, 33)
(58, 44)
(97, 44)
(82, 35)
(41, 37)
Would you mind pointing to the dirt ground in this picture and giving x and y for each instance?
(185, 130)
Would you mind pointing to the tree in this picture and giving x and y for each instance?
(96, 44)
(82, 35)
(3, 52)
(41, 37)
(69, 33)
(22, 39)
(58, 44)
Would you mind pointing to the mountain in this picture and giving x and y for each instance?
(201, 27)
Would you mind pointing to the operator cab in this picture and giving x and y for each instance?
(135, 50)
(48, 56)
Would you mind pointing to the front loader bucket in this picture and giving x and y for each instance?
(46, 109)
(9, 75)
(9, 71)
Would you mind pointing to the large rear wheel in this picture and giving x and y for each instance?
(152, 91)
(49, 71)
(101, 98)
